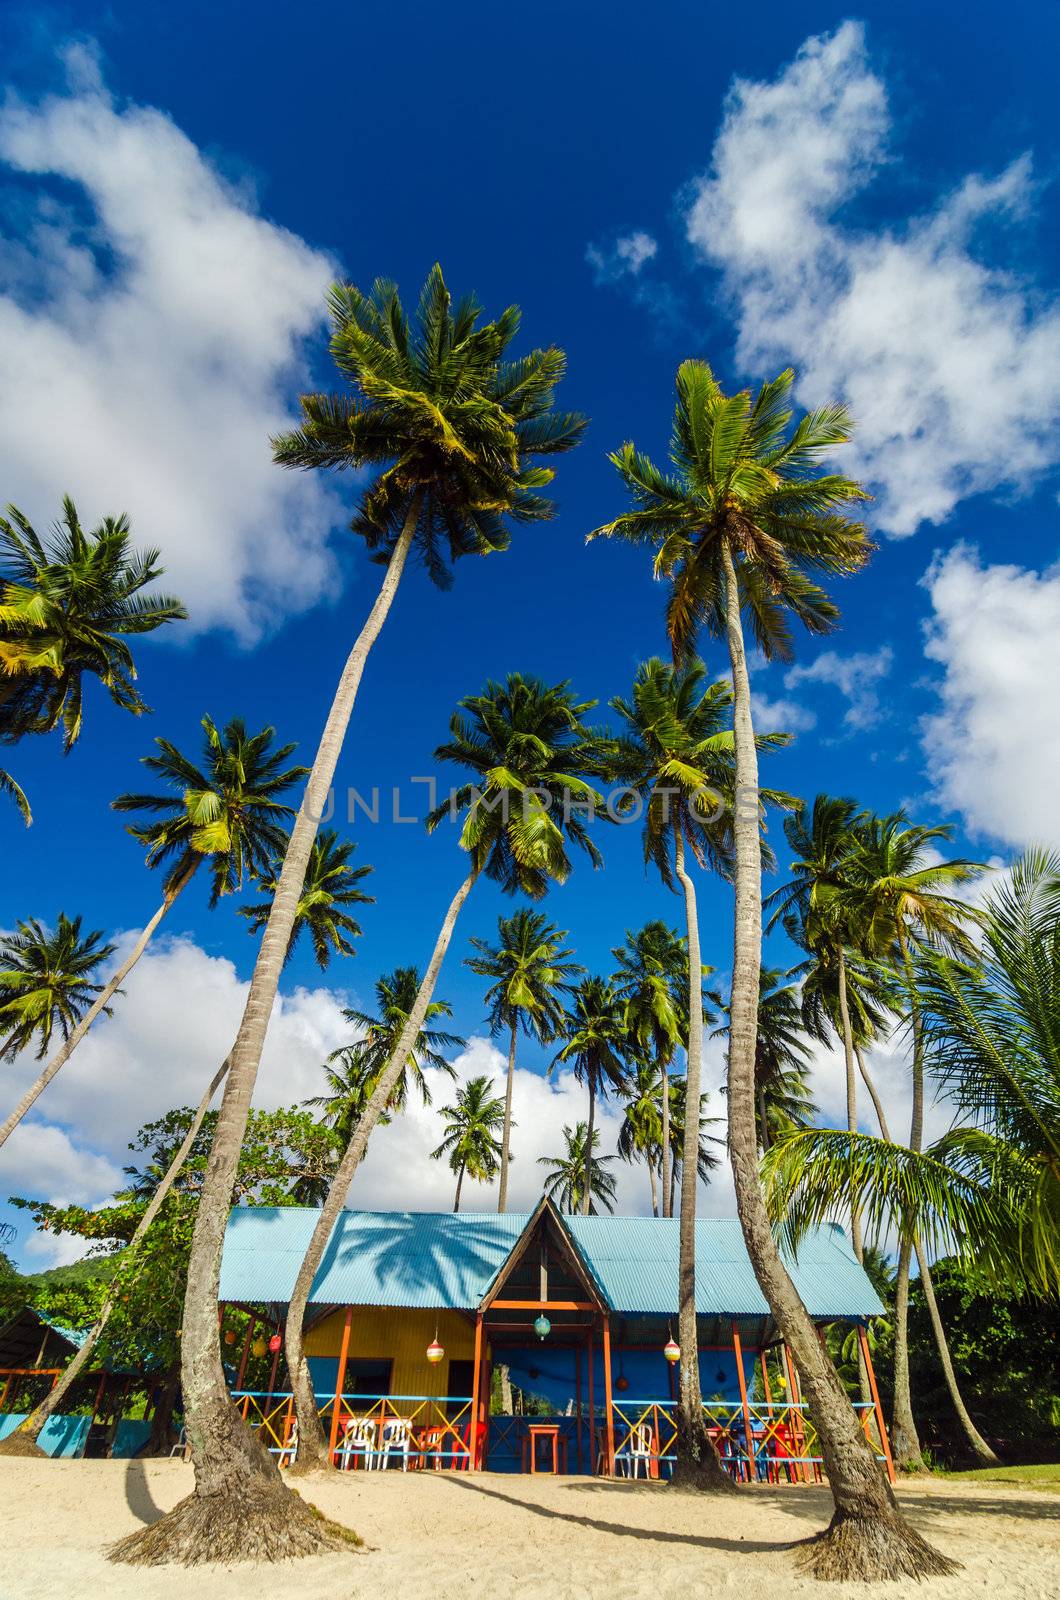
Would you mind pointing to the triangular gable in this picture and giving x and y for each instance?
(546, 1218)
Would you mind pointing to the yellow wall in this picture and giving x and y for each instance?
(399, 1336)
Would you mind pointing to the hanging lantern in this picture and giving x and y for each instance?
(259, 1346)
(672, 1350)
(275, 1343)
(230, 1337)
(622, 1384)
(542, 1327)
(435, 1351)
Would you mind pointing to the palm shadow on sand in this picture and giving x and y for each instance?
(138, 1495)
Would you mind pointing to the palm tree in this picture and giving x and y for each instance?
(742, 524)
(395, 994)
(596, 1051)
(675, 759)
(67, 604)
(470, 1134)
(782, 1055)
(530, 973)
(315, 915)
(706, 1161)
(640, 1135)
(227, 812)
(450, 428)
(526, 743)
(11, 789)
(330, 886)
(579, 1179)
(46, 982)
(350, 1083)
(652, 981)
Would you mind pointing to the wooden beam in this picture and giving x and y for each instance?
(542, 1305)
(340, 1379)
(863, 1343)
(749, 1437)
(798, 1432)
(608, 1409)
(472, 1432)
(241, 1374)
(592, 1405)
(543, 1267)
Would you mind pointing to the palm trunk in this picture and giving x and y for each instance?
(163, 1435)
(852, 1097)
(697, 1465)
(868, 1538)
(674, 1179)
(459, 1186)
(24, 1440)
(654, 1183)
(763, 1121)
(905, 1441)
(240, 1508)
(877, 1103)
(971, 1432)
(590, 1128)
(103, 999)
(664, 1154)
(506, 1136)
(312, 1445)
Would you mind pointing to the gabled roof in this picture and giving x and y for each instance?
(440, 1260)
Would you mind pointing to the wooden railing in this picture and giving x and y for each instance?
(438, 1431)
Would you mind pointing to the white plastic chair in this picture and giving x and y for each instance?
(358, 1439)
(397, 1440)
(286, 1456)
(638, 1451)
(181, 1446)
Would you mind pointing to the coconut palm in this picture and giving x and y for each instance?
(67, 604)
(652, 982)
(330, 886)
(46, 982)
(469, 1138)
(528, 747)
(227, 812)
(782, 1059)
(675, 759)
(744, 523)
(706, 1161)
(640, 1133)
(14, 792)
(578, 1179)
(596, 1051)
(530, 975)
(395, 994)
(350, 1082)
(449, 428)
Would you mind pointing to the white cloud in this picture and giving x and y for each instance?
(993, 747)
(153, 323)
(623, 258)
(857, 677)
(951, 367)
(44, 1163)
(781, 716)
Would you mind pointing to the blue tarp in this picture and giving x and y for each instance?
(60, 1436)
(131, 1434)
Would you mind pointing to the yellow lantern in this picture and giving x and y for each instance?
(435, 1351)
(259, 1346)
(672, 1350)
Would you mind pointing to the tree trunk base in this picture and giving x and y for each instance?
(877, 1548)
(261, 1521)
(697, 1469)
(20, 1444)
(309, 1464)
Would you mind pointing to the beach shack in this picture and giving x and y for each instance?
(412, 1314)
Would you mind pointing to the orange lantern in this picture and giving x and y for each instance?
(230, 1337)
(435, 1351)
(259, 1347)
(672, 1350)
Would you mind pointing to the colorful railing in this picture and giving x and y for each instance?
(782, 1448)
(437, 1428)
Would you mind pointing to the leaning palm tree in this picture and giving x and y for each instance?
(469, 1138)
(451, 430)
(67, 605)
(652, 982)
(227, 812)
(46, 982)
(395, 994)
(579, 1179)
(675, 759)
(315, 916)
(330, 887)
(596, 1051)
(530, 975)
(528, 747)
(742, 525)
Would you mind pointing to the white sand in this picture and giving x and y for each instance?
(440, 1535)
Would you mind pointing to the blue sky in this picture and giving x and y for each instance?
(867, 196)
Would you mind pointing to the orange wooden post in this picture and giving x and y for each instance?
(863, 1343)
(798, 1432)
(592, 1403)
(246, 1352)
(608, 1409)
(472, 1432)
(7, 1386)
(748, 1431)
(340, 1379)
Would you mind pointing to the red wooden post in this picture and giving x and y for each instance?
(798, 1432)
(99, 1396)
(592, 1404)
(246, 1352)
(221, 1309)
(340, 1379)
(608, 1410)
(748, 1431)
(578, 1401)
(863, 1342)
(472, 1432)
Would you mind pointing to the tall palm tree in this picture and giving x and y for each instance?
(315, 915)
(227, 812)
(469, 1139)
(640, 1134)
(46, 982)
(652, 981)
(782, 1055)
(596, 1051)
(67, 604)
(349, 1083)
(450, 429)
(743, 523)
(706, 1161)
(330, 886)
(675, 757)
(528, 747)
(395, 995)
(579, 1179)
(531, 974)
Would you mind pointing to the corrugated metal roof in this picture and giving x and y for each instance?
(438, 1260)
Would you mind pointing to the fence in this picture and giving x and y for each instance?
(782, 1448)
(372, 1431)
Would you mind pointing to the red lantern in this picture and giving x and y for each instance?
(275, 1342)
(622, 1384)
(230, 1337)
(672, 1350)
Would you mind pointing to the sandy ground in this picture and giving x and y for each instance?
(440, 1535)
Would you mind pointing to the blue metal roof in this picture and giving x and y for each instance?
(439, 1260)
